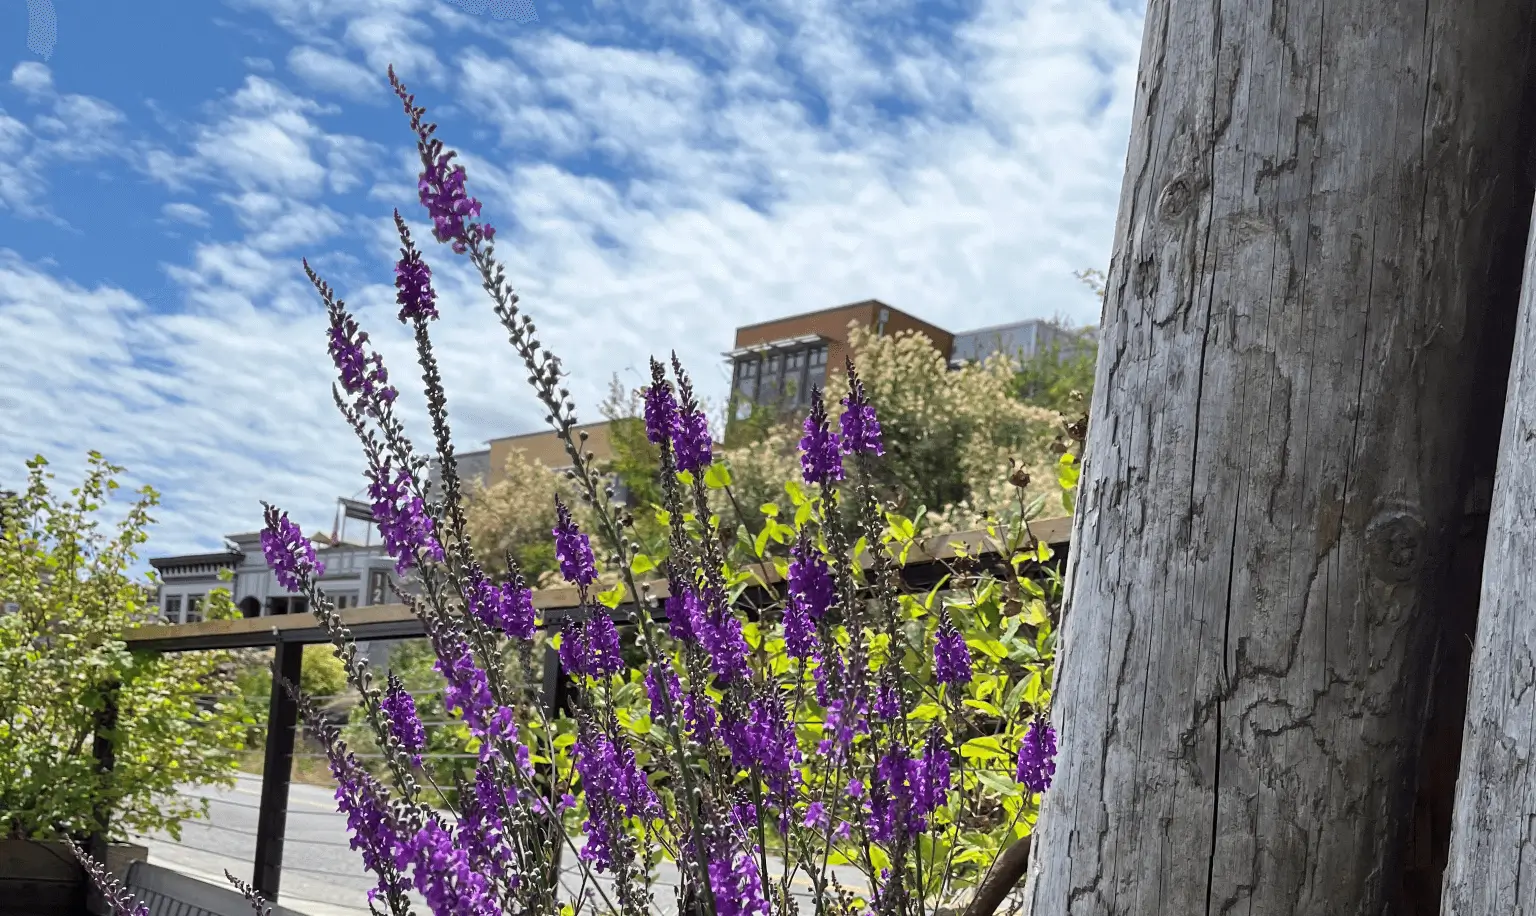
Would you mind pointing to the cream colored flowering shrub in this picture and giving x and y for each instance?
(951, 433)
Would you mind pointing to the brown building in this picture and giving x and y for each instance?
(775, 363)
(487, 466)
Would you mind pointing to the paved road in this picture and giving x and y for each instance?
(321, 875)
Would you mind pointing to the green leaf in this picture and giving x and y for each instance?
(641, 564)
(717, 476)
(926, 712)
(760, 543)
(612, 597)
(984, 748)
(803, 513)
(770, 509)
(796, 492)
(988, 708)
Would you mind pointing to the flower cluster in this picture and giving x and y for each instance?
(821, 458)
(404, 524)
(573, 549)
(1037, 756)
(413, 279)
(400, 709)
(288, 552)
(362, 371)
(506, 607)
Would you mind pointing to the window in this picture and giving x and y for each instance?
(194, 609)
(173, 608)
(794, 377)
(768, 387)
(747, 378)
(343, 602)
(277, 606)
(298, 605)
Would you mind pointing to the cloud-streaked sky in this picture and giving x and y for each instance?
(659, 171)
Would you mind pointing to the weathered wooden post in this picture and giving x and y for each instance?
(1496, 792)
(1323, 210)
(277, 770)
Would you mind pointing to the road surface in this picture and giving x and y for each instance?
(322, 876)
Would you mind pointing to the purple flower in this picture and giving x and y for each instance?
(444, 874)
(861, 428)
(573, 549)
(764, 739)
(591, 649)
(699, 718)
(482, 829)
(815, 815)
(663, 692)
(289, 553)
(1037, 756)
(951, 656)
(660, 411)
(735, 880)
(413, 285)
(720, 632)
(441, 187)
(691, 441)
(684, 612)
(821, 460)
(402, 517)
(888, 699)
(400, 709)
(469, 691)
(810, 580)
(507, 607)
(615, 789)
(369, 822)
(362, 372)
(799, 632)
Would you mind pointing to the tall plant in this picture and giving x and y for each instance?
(797, 717)
(64, 669)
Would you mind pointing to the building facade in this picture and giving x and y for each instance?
(487, 467)
(356, 575)
(775, 364)
(1020, 341)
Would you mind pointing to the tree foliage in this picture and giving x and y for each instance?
(62, 662)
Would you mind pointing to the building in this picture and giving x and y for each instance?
(487, 466)
(1021, 340)
(776, 363)
(356, 575)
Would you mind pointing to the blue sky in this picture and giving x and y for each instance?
(660, 171)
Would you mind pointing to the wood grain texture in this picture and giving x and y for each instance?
(1316, 201)
(1493, 849)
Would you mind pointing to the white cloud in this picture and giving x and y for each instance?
(73, 129)
(183, 212)
(331, 73)
(32, 78)
(736, 165)
(266, 139)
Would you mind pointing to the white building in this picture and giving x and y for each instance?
(356, 575)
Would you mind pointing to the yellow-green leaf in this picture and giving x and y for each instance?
(717, 476)
(612, 597)
(641, 564)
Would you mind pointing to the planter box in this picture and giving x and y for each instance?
(45, 879)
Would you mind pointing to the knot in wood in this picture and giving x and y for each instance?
(1175, 200)
(1394, 543)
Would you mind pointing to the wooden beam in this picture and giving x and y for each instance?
(395, 621)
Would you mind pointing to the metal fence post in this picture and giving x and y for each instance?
(277, 770)
(103, 730)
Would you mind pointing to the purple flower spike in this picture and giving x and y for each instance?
(810, 580)
(361, 371)
(402, 517)
(573, 549)
(861, 428)
(799, 632)
(691, 441)
(821, 460)
(951, 656)
(1037, 756)
(507, 607)
(413, 280)
(404, 723)
(289, 553)
(660, 413)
